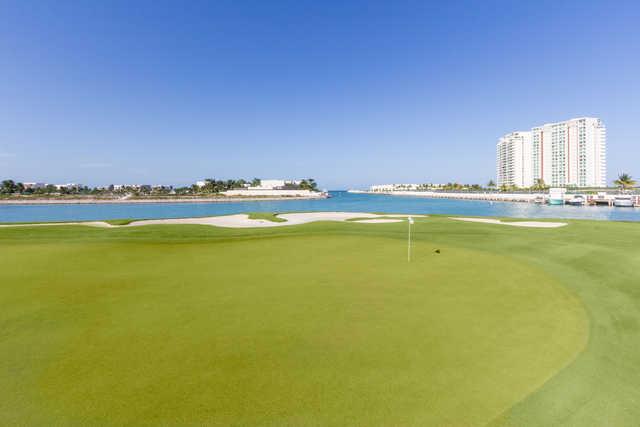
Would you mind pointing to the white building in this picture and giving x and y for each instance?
(34, 185)
(571, 153)
(138, 187)
(568, 153)
(275, 184)
(514, 164)
(69, 186)
(385, 188)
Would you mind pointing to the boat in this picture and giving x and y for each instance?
(539, 200)
(577, 200)
(556, 196)
(623, 201)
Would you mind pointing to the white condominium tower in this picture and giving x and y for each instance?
(514, 166)
(569, 153)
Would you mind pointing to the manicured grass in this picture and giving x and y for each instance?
(120, 221)
(266, 216)
(320, 324)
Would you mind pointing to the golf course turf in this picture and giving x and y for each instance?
(321, 324)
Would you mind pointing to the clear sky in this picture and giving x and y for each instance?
(351, 93)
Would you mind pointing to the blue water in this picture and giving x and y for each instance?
(341, 201)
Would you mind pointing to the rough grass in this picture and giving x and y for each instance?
(320, 324)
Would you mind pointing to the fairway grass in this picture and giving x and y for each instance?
(319, 324)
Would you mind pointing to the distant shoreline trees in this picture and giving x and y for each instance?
(10, 187)
(625, 181)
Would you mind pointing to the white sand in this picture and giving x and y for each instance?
(533, 224)
(241, 220)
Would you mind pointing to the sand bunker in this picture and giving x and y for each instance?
(241, 220)
(533, 224)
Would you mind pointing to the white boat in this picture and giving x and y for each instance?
(539, 200)
(556, 196)
(576, 201)
(623, 201)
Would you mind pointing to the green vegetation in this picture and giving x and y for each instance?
(211, 187)
(120, 221)
(321, 324)
(266, 216)
(625, 181)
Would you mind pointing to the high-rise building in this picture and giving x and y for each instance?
(569, 153)
(514, 166)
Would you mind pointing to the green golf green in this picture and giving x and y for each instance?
(318, 324)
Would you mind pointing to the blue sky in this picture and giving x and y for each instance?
(351, 93)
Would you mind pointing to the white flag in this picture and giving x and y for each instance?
(410, 220)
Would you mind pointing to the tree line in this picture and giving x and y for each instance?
(211, 186)
(624, 182)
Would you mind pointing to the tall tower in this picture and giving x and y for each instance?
(568, 153)
(513, 161)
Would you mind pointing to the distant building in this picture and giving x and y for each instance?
(162, 187)
(385, 188)
(34, 185)
(137, 187)
(275, 184)
(514, 160)
(70, 186)
(568, 153)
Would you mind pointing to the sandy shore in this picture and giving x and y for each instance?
(93, 201)
(533, 224)
(242, 220)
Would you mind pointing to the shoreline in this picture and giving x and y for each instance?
(537, 198)
(154, 201)
(490, 197)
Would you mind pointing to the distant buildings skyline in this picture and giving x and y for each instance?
(565, 153)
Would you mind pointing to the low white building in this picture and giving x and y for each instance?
(385, 188)
(118, 187)
(275, 184)
(70, 186)
(34, 185)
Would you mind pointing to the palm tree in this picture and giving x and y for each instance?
(625, 181)
(491, 184)
(539, 184)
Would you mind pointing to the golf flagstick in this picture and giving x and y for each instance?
(410, 220)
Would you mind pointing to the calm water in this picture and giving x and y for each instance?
(341, 201)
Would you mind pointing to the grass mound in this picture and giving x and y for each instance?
(266, 216)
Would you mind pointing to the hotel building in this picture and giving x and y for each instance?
(569, 153)
(514, 154)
